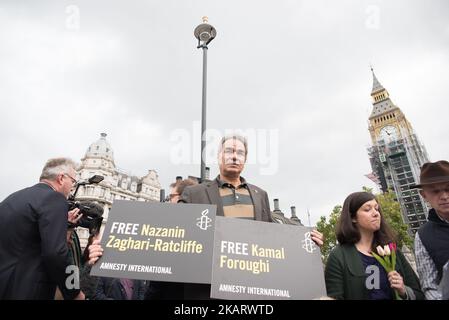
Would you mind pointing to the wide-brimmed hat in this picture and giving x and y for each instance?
(433, 172)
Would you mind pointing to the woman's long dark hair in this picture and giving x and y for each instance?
(348, 232)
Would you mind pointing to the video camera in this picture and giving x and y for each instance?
(91, 212)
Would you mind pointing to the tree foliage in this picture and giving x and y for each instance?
(391, 210)
(327, 228)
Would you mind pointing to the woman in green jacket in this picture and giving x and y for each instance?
(351, 270)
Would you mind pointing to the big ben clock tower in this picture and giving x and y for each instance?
(396, 155)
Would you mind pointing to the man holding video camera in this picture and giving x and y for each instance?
(33, 229)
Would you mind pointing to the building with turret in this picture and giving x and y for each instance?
(117, 183)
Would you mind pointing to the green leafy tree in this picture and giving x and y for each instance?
(391, 210)
(327, 228)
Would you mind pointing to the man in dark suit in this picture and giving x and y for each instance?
(33, 229)
(231, 193)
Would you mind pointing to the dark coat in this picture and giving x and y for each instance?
(445, 282)
(345, 275)
(112, 289)
(33, 244)
(88, 283)
(208, 193)
(434, 235)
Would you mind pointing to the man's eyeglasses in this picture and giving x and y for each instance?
(74, 182)
(230, 151)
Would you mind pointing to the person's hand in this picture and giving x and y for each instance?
(396, 282)
(74, 216)
(95, 252)
(317, 237)
(80, 296)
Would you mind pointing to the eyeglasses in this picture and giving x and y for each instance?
(71, 178)
(230, 151)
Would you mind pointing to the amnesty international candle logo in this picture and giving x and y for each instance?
(155, 241)
(308, 244)
(204, 222)
(258, 260)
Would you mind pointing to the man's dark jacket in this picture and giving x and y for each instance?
(434, 235)
(112, 289)
(208, 193)
(33, 244)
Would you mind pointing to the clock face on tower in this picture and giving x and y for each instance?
(388, 134)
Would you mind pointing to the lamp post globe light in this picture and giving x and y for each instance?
(205, 33)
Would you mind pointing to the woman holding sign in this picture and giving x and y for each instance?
(365, 264)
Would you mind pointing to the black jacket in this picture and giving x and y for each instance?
(434, 235)
(33, 245)
(112, 289)
(208, 193)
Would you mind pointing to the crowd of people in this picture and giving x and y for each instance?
(38, 242)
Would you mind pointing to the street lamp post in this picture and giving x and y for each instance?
(205, 33)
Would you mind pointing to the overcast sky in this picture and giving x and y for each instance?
(294, 75)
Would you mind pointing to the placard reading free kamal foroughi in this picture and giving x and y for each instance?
(258, 260)
(158, 241)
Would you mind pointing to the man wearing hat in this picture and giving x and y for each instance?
(432, 238)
